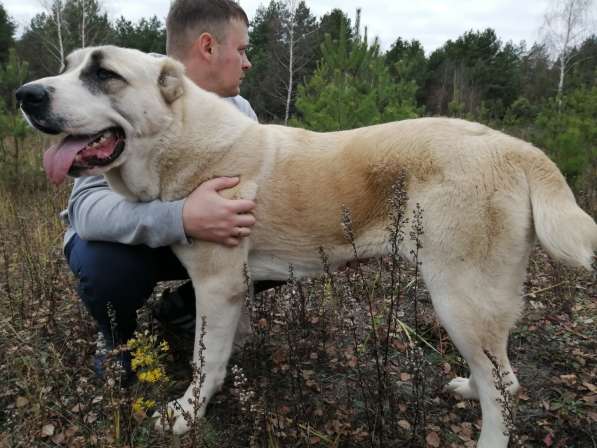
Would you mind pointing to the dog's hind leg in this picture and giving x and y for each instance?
(478, 310)
(220, 288)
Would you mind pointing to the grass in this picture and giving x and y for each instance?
(351, 359)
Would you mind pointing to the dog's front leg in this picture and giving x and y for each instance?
(220, 287)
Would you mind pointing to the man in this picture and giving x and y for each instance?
(118, 249)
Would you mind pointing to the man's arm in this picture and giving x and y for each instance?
(97, 213)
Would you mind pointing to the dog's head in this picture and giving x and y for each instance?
(104, 99)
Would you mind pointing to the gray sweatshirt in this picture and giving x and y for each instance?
(96, 213)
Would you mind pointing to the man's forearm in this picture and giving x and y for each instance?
(99, 214)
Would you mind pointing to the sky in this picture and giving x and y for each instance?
(432, 22)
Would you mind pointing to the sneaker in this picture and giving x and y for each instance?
(106, 358)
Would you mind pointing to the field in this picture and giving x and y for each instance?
(352, 359)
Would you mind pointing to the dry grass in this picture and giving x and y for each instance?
(353, 359)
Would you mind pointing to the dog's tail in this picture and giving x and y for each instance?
(564, 230)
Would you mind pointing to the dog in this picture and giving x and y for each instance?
(486, 196)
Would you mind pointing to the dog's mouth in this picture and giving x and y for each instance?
(78, 153)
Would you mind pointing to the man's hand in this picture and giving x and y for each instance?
(208, 216)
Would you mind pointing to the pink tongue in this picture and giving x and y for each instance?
(59, 158)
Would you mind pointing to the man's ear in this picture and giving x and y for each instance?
(204, 46)
(171, 80)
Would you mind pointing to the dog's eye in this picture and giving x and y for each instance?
(105, 75)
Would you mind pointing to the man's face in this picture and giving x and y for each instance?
(230, 59)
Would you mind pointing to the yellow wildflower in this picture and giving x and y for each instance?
(140, 405)
(147, 356)
(152, 376)
(142, 358)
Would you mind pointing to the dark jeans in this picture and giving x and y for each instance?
(123, 277)
(119, 276)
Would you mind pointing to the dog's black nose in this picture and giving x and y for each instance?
(32, 97)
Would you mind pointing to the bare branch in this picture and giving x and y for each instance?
(566, 24)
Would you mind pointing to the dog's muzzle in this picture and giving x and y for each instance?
(33, 97)
(34, 100)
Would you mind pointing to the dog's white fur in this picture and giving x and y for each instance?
(485, 197)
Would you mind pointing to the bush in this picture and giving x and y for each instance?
(569, 135)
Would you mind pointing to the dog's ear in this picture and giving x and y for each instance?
(171, 80)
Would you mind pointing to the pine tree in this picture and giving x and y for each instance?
(538, 76)
(147, 35)
(337, 24)
(352, 87)
(566, 129)
(12, 126)
(583, 70)
(7, 31)
(406, 62)
(476, 72)
(13, 74)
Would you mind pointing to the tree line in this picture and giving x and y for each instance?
(327, 74)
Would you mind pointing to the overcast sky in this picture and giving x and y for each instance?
(432, 22)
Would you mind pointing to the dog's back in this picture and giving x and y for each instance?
(474, 184)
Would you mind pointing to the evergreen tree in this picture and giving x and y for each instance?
(567, 131)
(13, 74)
(352, 87)
(406, 62)
(147, 35)
(7, 31)
(337, 24)
(583, 65)
(12, 125)
(538, 77)
(475, 74)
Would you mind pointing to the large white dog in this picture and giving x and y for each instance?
(486, 196)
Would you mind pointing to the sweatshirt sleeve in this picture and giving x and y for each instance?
(97, 213)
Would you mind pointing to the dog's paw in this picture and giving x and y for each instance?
(175, 421)
(463, 388)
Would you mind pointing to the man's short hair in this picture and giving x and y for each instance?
(188, 19)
